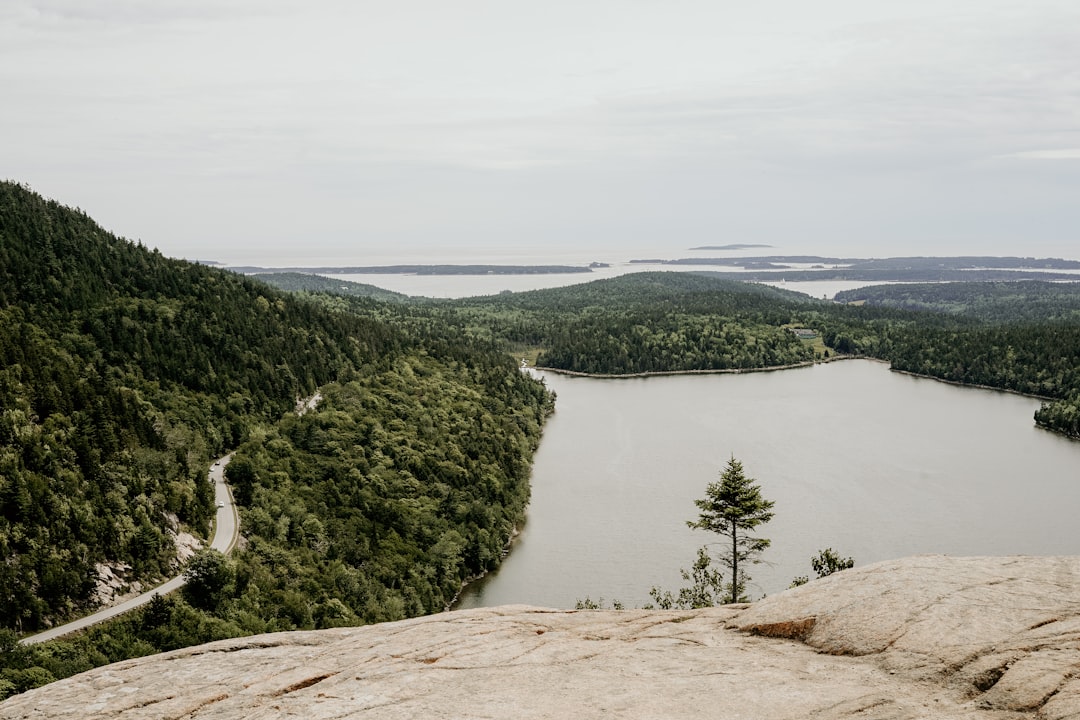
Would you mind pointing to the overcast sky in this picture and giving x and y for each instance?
(255, 130)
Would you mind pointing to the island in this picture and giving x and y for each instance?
(423, 269)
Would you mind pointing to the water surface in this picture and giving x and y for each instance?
(873, 463)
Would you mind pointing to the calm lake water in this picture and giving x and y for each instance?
(872, 463)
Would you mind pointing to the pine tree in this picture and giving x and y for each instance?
(733, 507)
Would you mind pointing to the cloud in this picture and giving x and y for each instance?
(593, 117)
(1057, 154)
(58, 14)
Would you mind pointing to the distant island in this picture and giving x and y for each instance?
(424, 269)
(902, 269)
(309, 282)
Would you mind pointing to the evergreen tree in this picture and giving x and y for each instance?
(733, 507)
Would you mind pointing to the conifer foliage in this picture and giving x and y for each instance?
(122, 372)
(734, 507)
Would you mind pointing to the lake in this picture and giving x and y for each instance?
(872, 463)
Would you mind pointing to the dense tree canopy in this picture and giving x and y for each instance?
(123, 372)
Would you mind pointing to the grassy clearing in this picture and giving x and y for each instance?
(528, 353)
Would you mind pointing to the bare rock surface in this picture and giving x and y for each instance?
(1005, 631)
(923, 637)
(112, 586)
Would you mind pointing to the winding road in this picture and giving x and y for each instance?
(226, 532)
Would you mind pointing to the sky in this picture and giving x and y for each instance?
(339, 131)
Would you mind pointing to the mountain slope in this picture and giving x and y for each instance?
(122, 372)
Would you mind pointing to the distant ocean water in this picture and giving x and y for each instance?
(509, 255)
(583, 254)
(458, 286)
(618, 261)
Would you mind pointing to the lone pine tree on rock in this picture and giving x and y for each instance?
(733, 507)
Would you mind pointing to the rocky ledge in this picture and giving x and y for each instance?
(922, 637)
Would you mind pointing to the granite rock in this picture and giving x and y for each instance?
(922, 637)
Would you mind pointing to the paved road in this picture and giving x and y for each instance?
(227, 527)
(226, 532)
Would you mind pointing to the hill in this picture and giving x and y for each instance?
(313, 283)
(644, 322)
(1030, 301)
(122, 372)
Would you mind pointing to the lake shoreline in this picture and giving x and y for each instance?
(470, 582)
(790, 366)
(1045, 398)
(719, 371)
(621, 465)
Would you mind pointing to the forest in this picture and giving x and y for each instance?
(1026, 338)
(122, 373)
(1027, 301)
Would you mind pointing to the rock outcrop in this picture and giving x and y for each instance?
(923, 637)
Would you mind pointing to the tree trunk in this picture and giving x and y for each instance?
(734, 564)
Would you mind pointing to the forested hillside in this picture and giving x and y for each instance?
(406, 483)
(1029, 301)
(1026, 337)
(645, 322)
(313, 283)
(123, 372)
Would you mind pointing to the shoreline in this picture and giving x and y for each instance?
(1044, 398)
(472, 582)
(515, 532)
(718, 371)
(790, 366)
